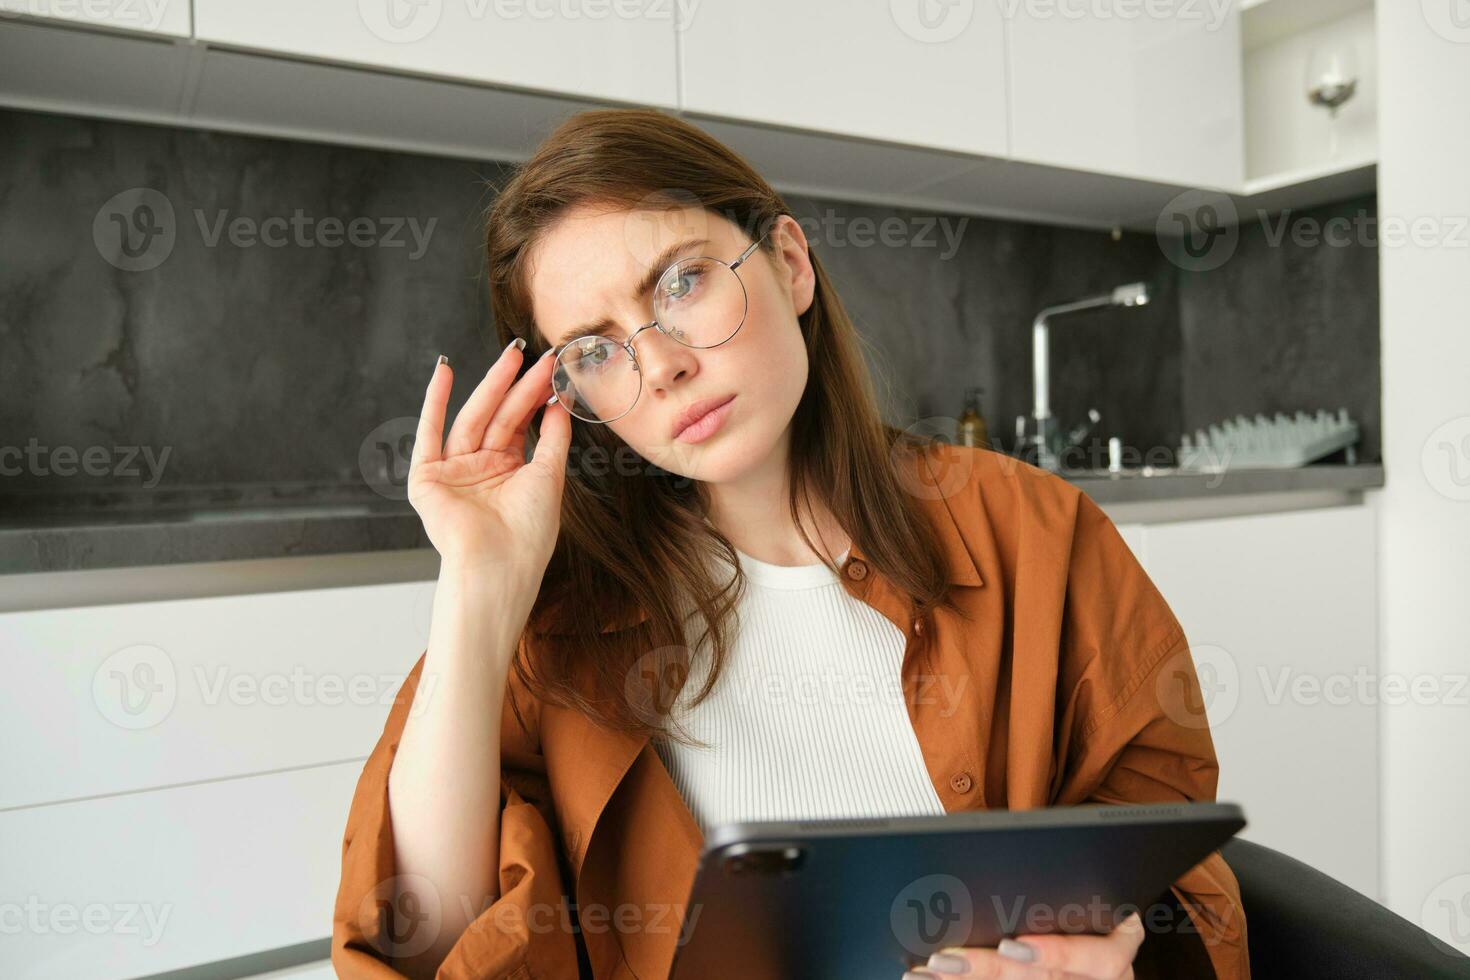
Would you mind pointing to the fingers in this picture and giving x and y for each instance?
(1054, 955)
(469, 425)
(1109, 956)
(514, 412)
(555, 439)
(975, 963)
(430, 433)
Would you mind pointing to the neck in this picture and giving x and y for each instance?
(754, 513)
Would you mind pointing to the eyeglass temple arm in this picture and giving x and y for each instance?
(747, 253)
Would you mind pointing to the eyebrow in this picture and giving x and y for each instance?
(645, 285)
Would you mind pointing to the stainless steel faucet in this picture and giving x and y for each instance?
(1049, 443)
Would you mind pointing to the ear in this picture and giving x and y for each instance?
(794, 267)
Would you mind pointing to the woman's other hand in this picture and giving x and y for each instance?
(1054, 956)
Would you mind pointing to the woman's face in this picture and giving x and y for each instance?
(585, 269)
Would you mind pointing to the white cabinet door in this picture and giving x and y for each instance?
(144, 695)
(1111, 86)
(1281, 615)
(907, 71)
(147, 16)
(187, 765)
(614, 51)
(148, 883)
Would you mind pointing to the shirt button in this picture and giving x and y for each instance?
(961, 782)
(857, 569)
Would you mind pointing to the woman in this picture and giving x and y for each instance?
(727, 463)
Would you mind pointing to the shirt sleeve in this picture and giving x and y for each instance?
(525, 933)
(1132, 722)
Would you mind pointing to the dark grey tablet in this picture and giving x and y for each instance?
(861, 899)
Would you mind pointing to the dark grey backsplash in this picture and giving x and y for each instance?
(267, 364)
(1290, 322)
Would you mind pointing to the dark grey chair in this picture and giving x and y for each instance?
(1303, 924)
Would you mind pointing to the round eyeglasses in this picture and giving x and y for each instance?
(699, 302)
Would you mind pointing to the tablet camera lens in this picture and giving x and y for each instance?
(781, 859)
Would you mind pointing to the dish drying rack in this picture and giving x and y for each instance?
(1279, 442)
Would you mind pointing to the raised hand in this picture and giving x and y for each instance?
(484, 507)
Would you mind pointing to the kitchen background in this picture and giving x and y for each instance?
(248, 407)
(210, 353)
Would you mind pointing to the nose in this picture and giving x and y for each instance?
(664, 361)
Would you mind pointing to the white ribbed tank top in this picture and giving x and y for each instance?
(807, 720)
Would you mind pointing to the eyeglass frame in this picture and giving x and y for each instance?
(627, 344)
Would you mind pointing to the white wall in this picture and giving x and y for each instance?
(1424, 174)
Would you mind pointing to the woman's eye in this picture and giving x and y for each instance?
(592, 356)
(684, 284)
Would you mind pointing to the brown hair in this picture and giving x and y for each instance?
(642, 541)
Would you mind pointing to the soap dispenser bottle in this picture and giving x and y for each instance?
(971, 430)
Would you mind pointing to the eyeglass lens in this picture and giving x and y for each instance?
(699, 302)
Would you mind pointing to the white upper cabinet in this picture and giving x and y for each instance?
(146, 16)
(613, 51)
(1145, 90)
(907, 71)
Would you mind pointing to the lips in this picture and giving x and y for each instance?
(697, 411)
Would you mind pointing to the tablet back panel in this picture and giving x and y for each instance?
(863, 899)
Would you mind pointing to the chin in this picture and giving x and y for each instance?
(725, 458)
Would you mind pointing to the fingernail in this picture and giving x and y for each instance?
(518, 344)
(1014, 949)
(948, 963)
(918, 975)
(442, 360)
(546, 353)
(551, 400)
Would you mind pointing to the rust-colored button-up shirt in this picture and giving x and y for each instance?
(1074, 685)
